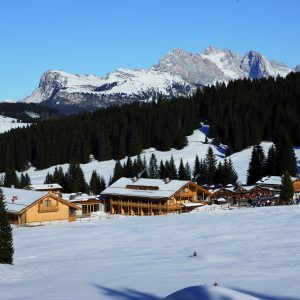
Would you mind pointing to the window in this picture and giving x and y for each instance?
(47, 202)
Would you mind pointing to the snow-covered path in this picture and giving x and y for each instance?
(255, 249)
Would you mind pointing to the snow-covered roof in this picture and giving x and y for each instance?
(75, 197)
(161, 188)
(45, 187)
(247, 188)
(23, 198)
(191, 204)
(272, 180)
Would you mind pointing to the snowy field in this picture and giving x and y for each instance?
(196, 146)
(7, 124)
(255, 251)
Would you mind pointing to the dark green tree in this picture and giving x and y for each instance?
(271, 162)
(256, 169)
(153, 170)
(6, 237)
(287, 190)
(285, 155)
(95, 183)
(211, 166)
(75, 181)
(118, 171)
(49, 178)
(11, 179)
(24, 180)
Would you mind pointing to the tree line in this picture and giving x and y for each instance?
(204, 171)
(280, 159)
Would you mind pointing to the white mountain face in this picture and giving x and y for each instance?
(297, 68)
(58, 87)
(178, 73)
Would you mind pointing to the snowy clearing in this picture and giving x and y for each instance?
(6, 124)
(255, 250)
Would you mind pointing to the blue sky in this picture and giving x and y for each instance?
(96, 37)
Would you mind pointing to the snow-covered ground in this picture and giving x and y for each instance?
(255, 251)
(196, 146)
(7, 124)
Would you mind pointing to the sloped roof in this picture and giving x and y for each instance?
(165, 190)
(24, 198)
(272, 180)
(46, 187)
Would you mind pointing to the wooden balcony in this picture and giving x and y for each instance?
(147, 205)
(187, 195)
(50, 208)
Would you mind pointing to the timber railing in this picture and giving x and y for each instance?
(49, 208)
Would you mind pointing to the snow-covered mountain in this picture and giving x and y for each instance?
(123, 85)
(178, 73)
(219, 65)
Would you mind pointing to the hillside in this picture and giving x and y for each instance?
(241, 114)
(150, 257)
(196, 146)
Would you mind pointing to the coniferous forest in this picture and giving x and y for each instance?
(240, 114)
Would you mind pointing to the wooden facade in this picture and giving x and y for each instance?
(189, 194)
(47, 209)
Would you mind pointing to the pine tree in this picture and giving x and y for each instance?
(256, 169)
(285, 155)
(287, 190)
(75, 180)
(118, 171)
(211, 166)
(153, 170)
(172, 172)
(188, 171)
(48, 179)
(231, 174)
(95, 183)
(196, 170)
(102, 184)
(24, 181)
(181, 171)
(6, 238)
(162, 170)
(58, 176)
(11, 179)
(271, 162)
(128, 168)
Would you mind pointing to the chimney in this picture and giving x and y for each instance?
(14, 199)
(167, 180)
(134, 179)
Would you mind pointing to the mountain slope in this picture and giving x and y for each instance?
(178, 73)
(58, 87)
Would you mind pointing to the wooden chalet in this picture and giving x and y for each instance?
(50, 188)
(31, 207)
(148, 197)
(275, 183)
(246, 195)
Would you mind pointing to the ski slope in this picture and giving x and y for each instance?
(251, 253)
(196, 146)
